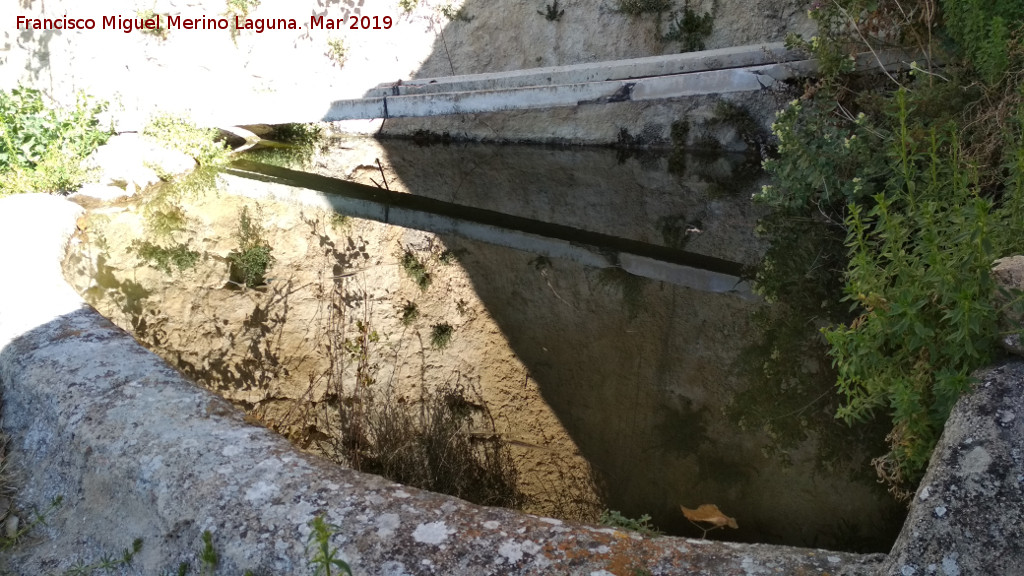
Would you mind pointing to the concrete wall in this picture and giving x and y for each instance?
(290, 75)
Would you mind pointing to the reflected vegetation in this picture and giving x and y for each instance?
(563, 389)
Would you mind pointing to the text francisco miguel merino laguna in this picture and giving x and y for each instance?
(169, 22)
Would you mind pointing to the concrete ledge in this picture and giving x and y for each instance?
(685, 63)
(137, 451)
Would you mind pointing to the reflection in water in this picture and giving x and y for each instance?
(664, 395)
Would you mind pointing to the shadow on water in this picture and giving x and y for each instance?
(674, 396)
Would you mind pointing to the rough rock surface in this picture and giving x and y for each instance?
(966, 517)
(1009, 277)
(137, 451)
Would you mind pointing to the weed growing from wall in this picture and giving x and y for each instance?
(552, 13)
(410, 312)
(690, 29)
(108, 563)
(178, 256)
(441, 335)
(416, 270)
(639, 7)
(407, 6)
(250, 262)
(449, 257)
(423, 442)
(453, 15)
(629, 287)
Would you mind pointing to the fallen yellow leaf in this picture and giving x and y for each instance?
(710, 514)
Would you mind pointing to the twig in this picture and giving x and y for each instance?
(382, 177)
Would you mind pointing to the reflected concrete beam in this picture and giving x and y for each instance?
(585, 247)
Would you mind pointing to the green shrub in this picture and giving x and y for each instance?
(416, 270)
(162, 258)
(453, 15)
(920, 259)
(250, 262)
(441, 335)
(182, 135)
(410, 312)
(823, 159)
(988, 33)
(690, 29)
(336, 51)
(928, 168)
(643, 525)
(41, 148)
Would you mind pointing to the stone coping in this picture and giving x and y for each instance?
(137, 451)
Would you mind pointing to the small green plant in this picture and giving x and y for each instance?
(410, 312)
(182, 135)
(441, 335)
(163, 219)
(690, 28)
(552, 13)
(336, 51)
(924, 170)
(340, 221)
(629, 286)
(919, 273)
(325, 559)
(208, 557)
(239, 9)
(107, 562)
(290, 145)
(42, 148)
(250, 262)
(407, 6)
(163, 258)
(7, 541)
(541, 263)
(416, 270)
(448, 257)
(987, 33)
(160, 33)
(453, 15)
(643, 525)
(295, 133)
(638, 7)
